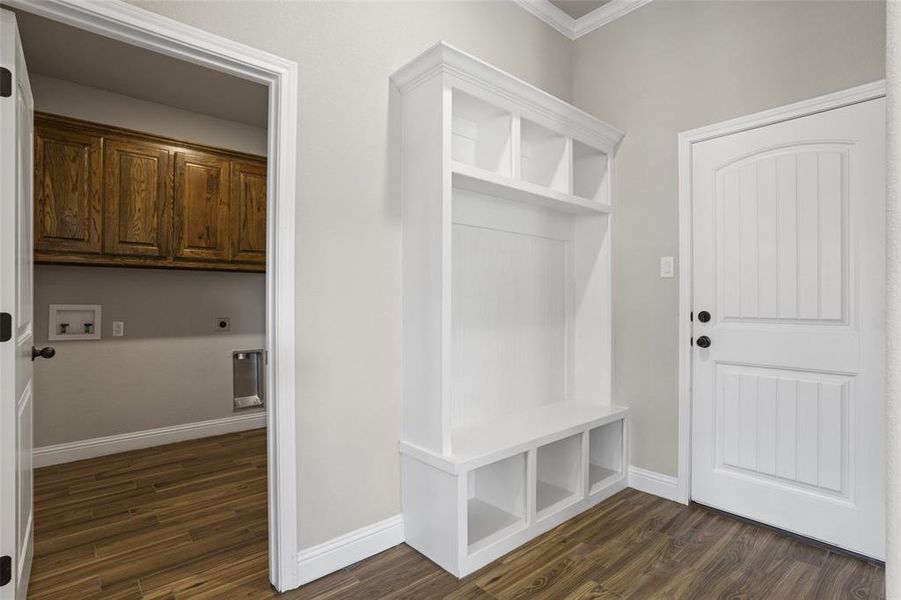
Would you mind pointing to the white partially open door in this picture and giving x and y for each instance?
(16, 128)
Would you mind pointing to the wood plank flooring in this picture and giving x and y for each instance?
(189, 521)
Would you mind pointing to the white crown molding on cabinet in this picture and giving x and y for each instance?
(124, 442)
(446, 58)
(576, 28)
(139, 27)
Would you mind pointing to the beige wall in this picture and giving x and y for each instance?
(672, 66)
(100, 106)
(348, 217)
(664, 68)
(170, 367)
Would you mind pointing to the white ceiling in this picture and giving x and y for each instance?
(64, 52)
(578, 8)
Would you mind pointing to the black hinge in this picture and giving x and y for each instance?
(6, 570)
(6, 327)
(6, 82)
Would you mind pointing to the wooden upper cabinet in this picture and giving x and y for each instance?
(201, 208)
(248, 211)
(67, 205)
(137, 198)
(113, 197)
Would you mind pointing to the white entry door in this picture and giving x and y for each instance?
(788, 284)
(16, 125)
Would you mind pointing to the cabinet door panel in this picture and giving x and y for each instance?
(201, 207)
(137, 199)
(248, 211)
(67, 191)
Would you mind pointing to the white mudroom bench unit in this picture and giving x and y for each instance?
(509, 426)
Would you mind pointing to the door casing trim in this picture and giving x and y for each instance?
(686, 140)
(139, 27)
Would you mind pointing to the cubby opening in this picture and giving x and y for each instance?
(605, 454)
(559, 473)
(496, 501)
(589, 173)
(481, 134)
(543, 160)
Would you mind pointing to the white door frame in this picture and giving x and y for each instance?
(118, 20)
(855, 95)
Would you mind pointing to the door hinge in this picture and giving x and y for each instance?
(6, 327)
(6, 82)
(6, 570)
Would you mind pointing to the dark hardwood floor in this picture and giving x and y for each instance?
(189, 521)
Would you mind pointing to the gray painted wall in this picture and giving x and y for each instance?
(348, 217)
(170, 368)
(673, 66)
(666, 67)
(62, 97)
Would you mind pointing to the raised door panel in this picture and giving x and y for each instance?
(67, 177)
(137, 199)
(201, 207)
(248, 211)
(782, 237)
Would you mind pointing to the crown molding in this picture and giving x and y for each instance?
(576, 28)
(550, 14)
(442, 59)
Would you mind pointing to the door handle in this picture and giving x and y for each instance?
(703, 342)
(45, 352)
(703, 316)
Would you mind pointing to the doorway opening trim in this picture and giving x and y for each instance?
(686, 140)
(138, 27)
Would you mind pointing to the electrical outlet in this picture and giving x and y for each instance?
(223, 324)
(118, 328)
(666, 267)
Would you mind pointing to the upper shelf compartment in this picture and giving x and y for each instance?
(481, 134)
(590, 173)
(544, 157)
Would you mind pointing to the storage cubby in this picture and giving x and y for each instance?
(481, 134)
(589, 173)
(605, 454)
(506, 324)
(559, 474)
(544, 158)
(496, 501)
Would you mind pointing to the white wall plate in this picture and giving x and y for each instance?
(74, 322)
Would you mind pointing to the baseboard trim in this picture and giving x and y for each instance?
(345, 550)
(113, 444)
(654, 483)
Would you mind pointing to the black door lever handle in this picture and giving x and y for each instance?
(45, 352)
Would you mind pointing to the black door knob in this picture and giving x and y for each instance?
(703, 342)
(45, 352)
(703, 316)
